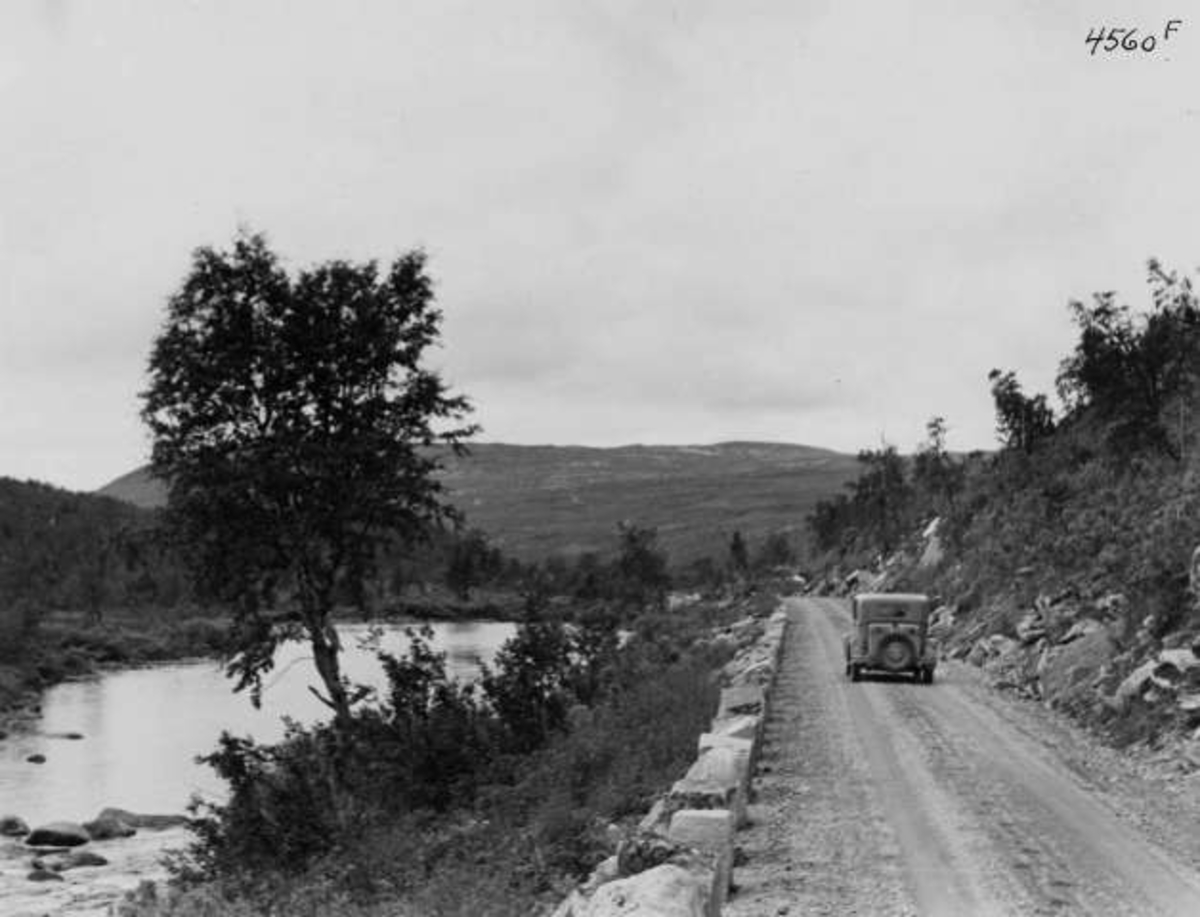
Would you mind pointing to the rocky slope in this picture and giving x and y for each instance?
(1097, 658)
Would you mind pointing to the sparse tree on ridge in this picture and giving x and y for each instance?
(882, 496)
(739, 554)
(641, 567)
(776, 551)
(290, 419)
(936, 475)
(1022, 421)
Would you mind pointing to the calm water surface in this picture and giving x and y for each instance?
(143, 728)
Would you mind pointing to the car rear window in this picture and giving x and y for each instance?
(898, 612)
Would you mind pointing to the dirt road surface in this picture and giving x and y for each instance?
(885, 797)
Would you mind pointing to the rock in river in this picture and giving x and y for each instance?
(104, 829)
(58, 834)
(136, 820)
(69, 859)
(12, 826)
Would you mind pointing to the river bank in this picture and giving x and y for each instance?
(67, 645)
(129, 736)
(514, 832)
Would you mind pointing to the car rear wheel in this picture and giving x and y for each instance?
(896, 654)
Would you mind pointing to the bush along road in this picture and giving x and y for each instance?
(891, 797)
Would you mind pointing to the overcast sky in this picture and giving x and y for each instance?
(816, 222)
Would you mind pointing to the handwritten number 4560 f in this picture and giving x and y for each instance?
(1106, 39)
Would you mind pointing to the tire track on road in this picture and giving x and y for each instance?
(989, 821)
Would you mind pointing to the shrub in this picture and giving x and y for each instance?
(446, 799)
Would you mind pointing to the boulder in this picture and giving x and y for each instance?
(933, 552)
(104, 829)
(12, 826)
(1081, 628)
(1001, 645)
(1174, 664)
(58, 834)
(71, 859)
(1137, 683)
(664, 891)
(44, 875)
(1066, 672)
(941, 622)
(724, 644)
(991, 647)
(36, 759)
(574, 905)
(136, 820)
(1112, 606)
(745, 631)
(608, 870)
(1016, 668)
(656, 818)
(1031, 628)
(644, 850)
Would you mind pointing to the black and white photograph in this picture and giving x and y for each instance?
(599, 458)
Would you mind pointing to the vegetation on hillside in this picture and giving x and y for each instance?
(1101, 496)
(76, 572)
(539, 501)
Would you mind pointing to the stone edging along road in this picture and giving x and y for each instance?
(679, 863)
(890, 798)
(887, 797)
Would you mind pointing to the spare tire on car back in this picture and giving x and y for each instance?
(897, 654)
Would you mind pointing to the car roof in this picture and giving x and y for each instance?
(893, 597)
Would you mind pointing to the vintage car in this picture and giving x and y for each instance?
(891, 635)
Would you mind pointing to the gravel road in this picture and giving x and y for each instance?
(889, 797)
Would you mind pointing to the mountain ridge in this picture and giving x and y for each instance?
(534, 501)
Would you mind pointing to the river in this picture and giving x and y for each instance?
(143, 728)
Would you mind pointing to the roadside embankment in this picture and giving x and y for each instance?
(1120, 660)
(679, 861)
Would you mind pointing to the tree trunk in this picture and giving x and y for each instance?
(325, 655)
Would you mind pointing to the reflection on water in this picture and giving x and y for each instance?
(143, 728)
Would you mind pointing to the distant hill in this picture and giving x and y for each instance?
(534, 501)
(60, 549)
